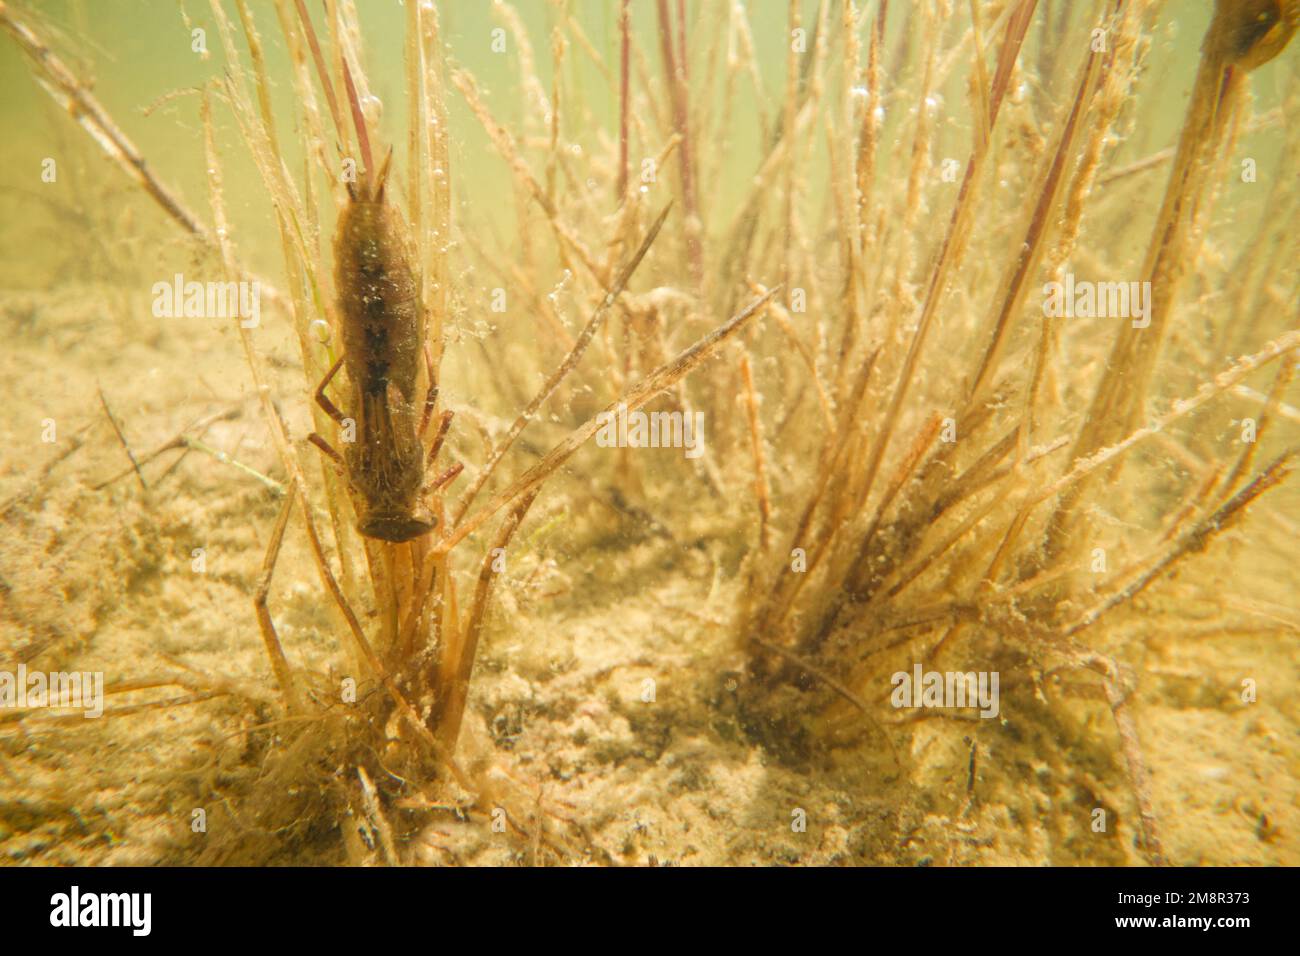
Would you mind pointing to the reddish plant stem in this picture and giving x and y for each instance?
(625, 27)
(676, 75)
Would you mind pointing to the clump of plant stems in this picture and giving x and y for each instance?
(969, 440)
(423, 654)
(411, 671)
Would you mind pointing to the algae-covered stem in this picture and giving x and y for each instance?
(624, 87)
(675, 71)
(569, 363)
(658, 381)
(77, 99)
(458, 661)
(1243, 35)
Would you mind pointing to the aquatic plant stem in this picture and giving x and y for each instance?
(78, 101)
(568, 365)
(653, 384)
(1232, 46)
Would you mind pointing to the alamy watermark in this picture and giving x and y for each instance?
(79, 690)
(208, 300)
(75, 908)
(635, 429)
(953, 689)
(1084, 299)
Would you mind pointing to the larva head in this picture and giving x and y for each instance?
(396, 526)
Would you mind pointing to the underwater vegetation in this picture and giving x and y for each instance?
(842, 431)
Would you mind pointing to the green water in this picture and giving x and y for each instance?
(138, 59)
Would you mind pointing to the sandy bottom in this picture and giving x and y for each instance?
(101, 579)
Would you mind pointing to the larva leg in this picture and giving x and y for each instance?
(430, 397)
(447, 477)
(327, 449)
(322, 399)
(439, 437)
